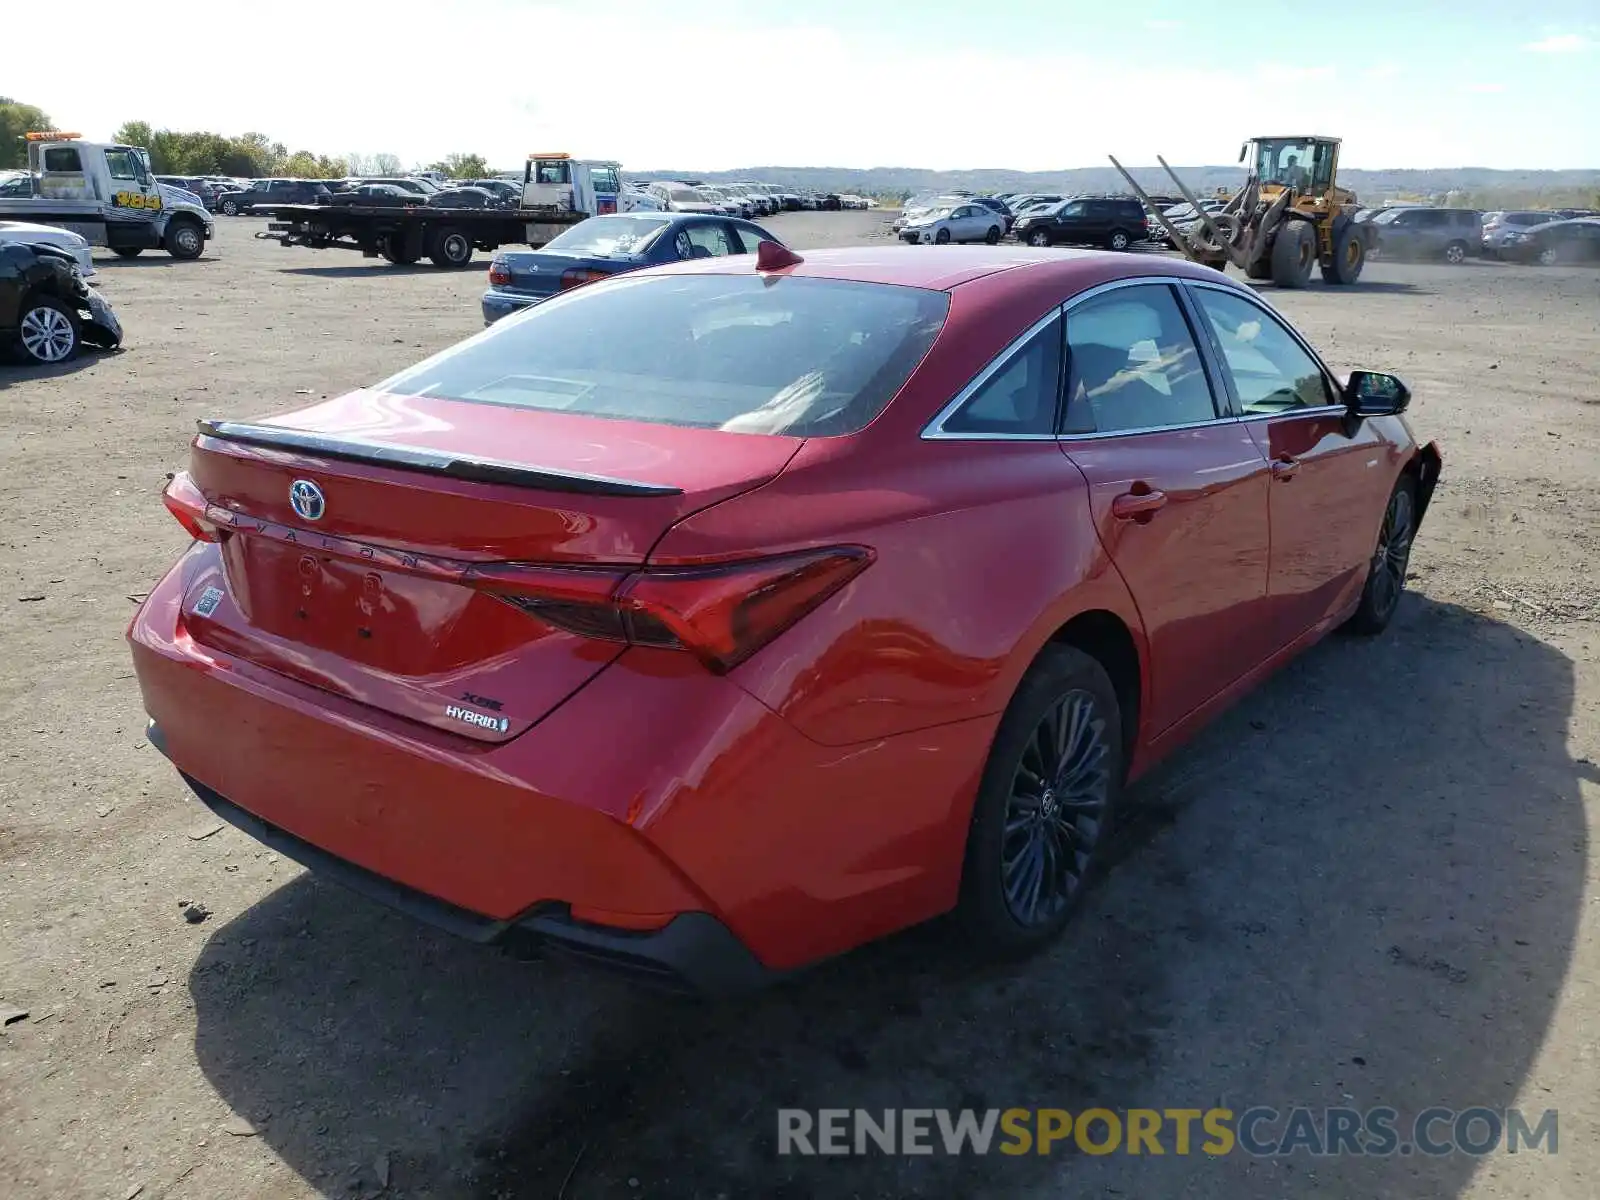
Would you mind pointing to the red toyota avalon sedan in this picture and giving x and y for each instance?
(715, 619)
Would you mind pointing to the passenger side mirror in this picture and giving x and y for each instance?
(1375, 394)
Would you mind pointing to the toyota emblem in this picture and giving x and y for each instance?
(306, 499)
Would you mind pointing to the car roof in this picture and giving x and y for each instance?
(953, 266)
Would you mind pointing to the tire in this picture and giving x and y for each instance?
(1119, 240)
(1548, 257)
(230, 208)
(1455, 253)
(1386, 573)
(48, 331)
(403, 249)
(1349, 256)
(128, 251)
(450, 247)
(1294, 253)
(1261, 268)
(1022, 827)
(992, 238)
(1038, 237)
(942, 238)
(184, 239)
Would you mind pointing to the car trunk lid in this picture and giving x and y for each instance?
(379, 584)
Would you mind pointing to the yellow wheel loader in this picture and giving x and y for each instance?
(1289, 216)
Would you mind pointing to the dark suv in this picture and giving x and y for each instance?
(275, 191)
(1115, 222)
(1451, 234)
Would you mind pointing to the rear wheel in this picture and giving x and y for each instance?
(1386, 573)
(1294, 253)
(993, 236)
(1119, 240)
(48, 331)
(127, 251)
(1455, 253)
(450, 247)
(1047, 796)
(1349, 256)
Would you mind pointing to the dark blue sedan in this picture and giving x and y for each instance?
(611, 245)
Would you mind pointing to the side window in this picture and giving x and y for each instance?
(1133, 364)
(121, 165)
(62, 158)
(605, 180)
(1076, 209)
(1020, 397)
(1270, 371)
(710, 239)
(751, 236)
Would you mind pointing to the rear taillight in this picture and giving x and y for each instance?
(499, 274)
(578, 276)
(186, 502)
(722, 614)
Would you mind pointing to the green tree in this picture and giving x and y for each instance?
(463, 166)
(17, 119)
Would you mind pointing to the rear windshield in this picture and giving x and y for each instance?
(606, 236)
(747, 354)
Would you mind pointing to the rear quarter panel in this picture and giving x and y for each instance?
(983, 551)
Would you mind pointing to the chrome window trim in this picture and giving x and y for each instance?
(934, 430)
(1100, 436)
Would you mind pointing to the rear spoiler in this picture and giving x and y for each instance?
(433, 462)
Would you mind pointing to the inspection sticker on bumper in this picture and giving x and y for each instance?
(209, 599)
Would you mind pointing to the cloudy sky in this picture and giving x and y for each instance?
(1029, 84)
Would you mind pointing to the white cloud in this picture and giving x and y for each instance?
(1486, 88)
(1384, 70)
(1162, 24)
(1560, 43)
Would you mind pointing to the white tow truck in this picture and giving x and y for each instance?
(589, 185)
(107, 194)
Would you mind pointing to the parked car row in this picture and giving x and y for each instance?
(1115, 222)
(742, 199)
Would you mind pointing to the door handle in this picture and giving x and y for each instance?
(1130, 506)
(1285, 468)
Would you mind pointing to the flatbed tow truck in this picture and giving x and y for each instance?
(449, 236)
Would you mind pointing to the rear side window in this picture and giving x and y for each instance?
(1133, 364)
(1020, 394)
(796, 356)
(61, 158)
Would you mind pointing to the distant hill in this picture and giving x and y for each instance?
(1368, 185)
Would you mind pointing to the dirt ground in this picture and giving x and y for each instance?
(1372, 883)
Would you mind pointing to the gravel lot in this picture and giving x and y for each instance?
(1372, 883)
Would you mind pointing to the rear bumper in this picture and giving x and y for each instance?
(693, 953)
(656, 793)
(498, 304)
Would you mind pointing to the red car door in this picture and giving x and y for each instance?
(1329, 477)
(1178, 489)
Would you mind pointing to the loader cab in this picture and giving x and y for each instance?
(1307, 164)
